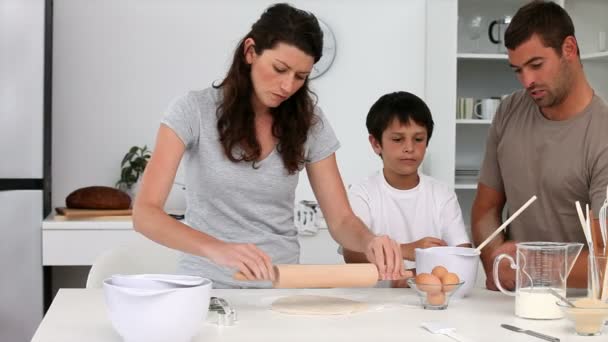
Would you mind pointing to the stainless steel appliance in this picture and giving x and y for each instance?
(24, 163)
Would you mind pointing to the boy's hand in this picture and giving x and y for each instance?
(408, 249)
(403, 282)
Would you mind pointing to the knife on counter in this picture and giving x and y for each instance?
(530, 332)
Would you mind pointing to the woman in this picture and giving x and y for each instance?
(244, 142)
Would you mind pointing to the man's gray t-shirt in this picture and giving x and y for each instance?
(559, 161)
(232, 201)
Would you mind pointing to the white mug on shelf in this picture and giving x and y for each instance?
(486, 108)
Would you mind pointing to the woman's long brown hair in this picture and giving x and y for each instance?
(293, 118)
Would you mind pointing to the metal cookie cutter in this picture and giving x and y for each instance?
(226, 315)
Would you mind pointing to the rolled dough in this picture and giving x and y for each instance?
(317, 305)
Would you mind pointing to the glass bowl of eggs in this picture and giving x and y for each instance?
(435, 289)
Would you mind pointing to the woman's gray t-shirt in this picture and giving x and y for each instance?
(232, 201)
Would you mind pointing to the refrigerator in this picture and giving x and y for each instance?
(24, 163)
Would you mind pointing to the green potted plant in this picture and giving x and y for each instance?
(133, 165)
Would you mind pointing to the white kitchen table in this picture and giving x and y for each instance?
(80, 315)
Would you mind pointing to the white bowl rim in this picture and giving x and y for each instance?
(151, 276)
(452, 250)
(107, 283)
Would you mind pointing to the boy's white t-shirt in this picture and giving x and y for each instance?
(430, 209)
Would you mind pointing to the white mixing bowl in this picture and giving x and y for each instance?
(146, 311)
(463, 261)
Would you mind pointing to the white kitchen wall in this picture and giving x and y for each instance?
(117, 65)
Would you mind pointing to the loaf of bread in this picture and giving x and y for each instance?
(98, 197)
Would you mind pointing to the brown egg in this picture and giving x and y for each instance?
(449, 280)
(428, 283)
(439, 271)
(436, 298)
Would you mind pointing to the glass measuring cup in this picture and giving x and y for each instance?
(540, 266)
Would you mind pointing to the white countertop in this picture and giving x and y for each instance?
(78, 241)
(79, 315)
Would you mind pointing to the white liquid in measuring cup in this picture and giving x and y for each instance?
(537, 304)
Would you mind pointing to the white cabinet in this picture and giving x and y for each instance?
(483, 72)
(79, 242)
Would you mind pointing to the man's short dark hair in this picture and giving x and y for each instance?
(547, 19)
(401, 105)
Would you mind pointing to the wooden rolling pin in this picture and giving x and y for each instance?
(322, 276)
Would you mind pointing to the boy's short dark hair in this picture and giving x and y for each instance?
(401, 105)
(547, 19)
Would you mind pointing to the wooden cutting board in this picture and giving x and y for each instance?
(72, 213)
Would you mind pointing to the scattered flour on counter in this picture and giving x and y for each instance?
(317, 305)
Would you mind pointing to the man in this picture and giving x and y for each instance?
(548, 139)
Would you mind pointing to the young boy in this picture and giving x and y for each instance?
(414, 209)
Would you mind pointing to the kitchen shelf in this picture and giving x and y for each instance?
(496, 56)
(473, 122)
(466, 182)
(602, 56)
(465, 186)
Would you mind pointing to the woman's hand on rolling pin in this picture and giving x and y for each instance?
(385, 253)
(251, 261)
